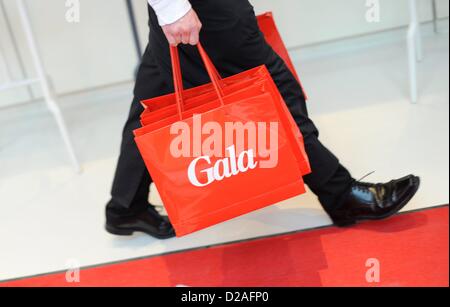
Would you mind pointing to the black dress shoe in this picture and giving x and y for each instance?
(367, 201)
(148, 221)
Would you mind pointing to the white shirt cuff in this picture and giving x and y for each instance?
(169, 11)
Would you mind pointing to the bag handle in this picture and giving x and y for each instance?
(178, 79)
(213, 68)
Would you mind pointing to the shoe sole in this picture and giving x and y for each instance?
(128, 232)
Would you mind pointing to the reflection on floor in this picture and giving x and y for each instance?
(52, 217)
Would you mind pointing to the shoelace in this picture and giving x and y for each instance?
(361, 188)
(365, 176)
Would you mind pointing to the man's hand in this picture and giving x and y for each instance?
(185, 30)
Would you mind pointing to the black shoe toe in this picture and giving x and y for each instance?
(367, 201)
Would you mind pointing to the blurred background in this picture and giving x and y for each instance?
(376, 73)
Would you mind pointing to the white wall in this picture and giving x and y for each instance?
(99, 50)
(304, 22)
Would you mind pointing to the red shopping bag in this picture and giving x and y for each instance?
(202, 185)
(168, 114)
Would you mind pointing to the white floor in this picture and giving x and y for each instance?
(51, 216)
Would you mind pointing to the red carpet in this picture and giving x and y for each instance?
(412, 250)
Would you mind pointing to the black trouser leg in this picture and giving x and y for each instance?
(132, 181)
(329, 180)
(131, 184)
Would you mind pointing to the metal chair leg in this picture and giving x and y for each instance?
(414, 49)
(15, 47)
(412, 63)
(48, 95)
(435, 16)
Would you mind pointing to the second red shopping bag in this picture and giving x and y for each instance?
(230, 160)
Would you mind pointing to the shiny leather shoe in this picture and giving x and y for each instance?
(367, 201)
(148, 221)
